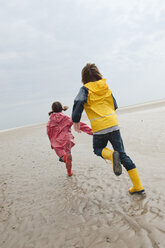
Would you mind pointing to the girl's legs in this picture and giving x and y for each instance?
(66, 157)
(60, 153)
(99, 144)
(117, 143)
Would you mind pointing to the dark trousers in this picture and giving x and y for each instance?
(101, 141)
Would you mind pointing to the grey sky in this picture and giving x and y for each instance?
(45, 44)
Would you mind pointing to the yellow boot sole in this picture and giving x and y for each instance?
(117, 169)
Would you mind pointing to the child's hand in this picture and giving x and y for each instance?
(77, 127)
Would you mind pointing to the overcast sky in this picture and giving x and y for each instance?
(45, 43)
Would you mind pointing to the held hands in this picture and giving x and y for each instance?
(77, 127)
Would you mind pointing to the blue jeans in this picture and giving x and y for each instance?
(101, 141)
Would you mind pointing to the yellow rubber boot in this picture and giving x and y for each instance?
(114, 157)
(137, 185)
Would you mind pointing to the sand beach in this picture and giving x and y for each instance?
(40, 207)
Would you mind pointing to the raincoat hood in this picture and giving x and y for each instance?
(56, 118)
(99, 87)
(99, 106)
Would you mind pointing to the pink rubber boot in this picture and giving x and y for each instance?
(68, 160)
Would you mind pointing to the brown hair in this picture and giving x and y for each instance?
(90, 73)
(57, 107)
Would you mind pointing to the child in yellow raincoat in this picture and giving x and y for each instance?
(100, 105)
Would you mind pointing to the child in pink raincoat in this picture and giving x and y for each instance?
(60, 136)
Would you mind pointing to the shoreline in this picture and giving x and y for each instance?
(17, 128)
(122, 110)
(142, 106)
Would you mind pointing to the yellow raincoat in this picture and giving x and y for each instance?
(100, 106)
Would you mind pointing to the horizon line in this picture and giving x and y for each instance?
(129, 108)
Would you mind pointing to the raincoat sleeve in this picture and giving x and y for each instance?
(115, 103)
(85, 128)
(78, 106)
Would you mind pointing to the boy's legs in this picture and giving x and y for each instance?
(117, 143)
(99, 146)
(99, 142)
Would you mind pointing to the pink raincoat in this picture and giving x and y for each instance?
(59, 133)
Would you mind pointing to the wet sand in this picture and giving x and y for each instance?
(40, 207)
